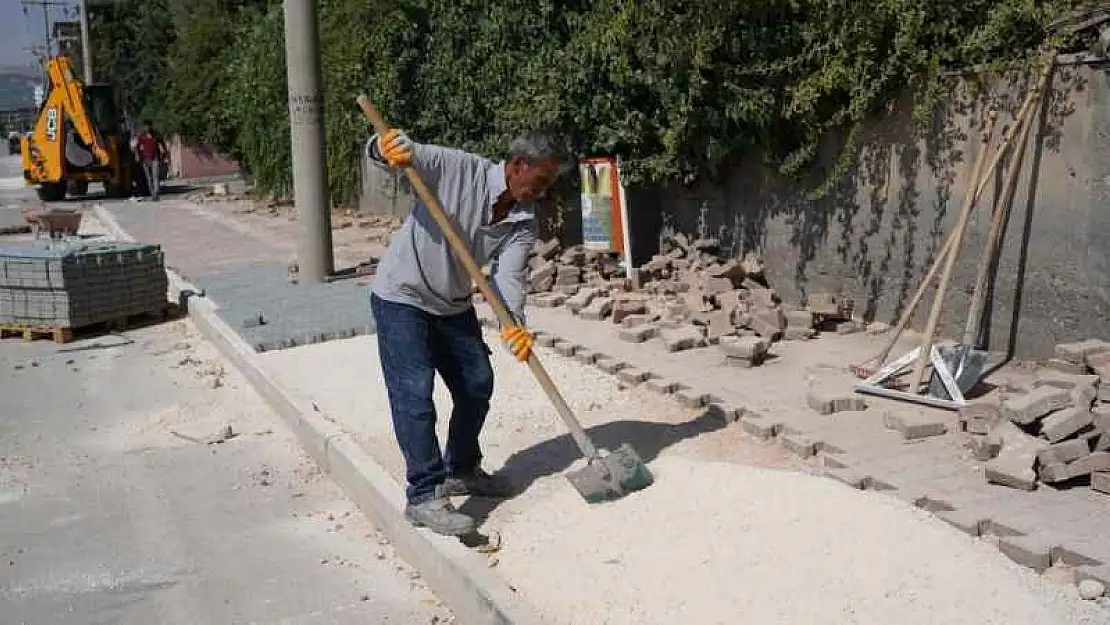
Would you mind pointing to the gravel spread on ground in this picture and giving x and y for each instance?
(720, 543)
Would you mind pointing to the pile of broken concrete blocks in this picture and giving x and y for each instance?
(687, 296)
(1057, 432)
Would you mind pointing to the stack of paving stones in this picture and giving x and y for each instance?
(1055, 432)
(687, 297)
(73, 285)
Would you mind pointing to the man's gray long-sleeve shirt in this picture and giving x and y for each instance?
(421, 270)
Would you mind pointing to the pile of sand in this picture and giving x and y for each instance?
(719, 543)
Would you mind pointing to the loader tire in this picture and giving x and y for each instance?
(52, 192)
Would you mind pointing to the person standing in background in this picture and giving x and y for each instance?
(151, 148)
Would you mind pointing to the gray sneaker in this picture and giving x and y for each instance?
(477, 484)
(440, 516)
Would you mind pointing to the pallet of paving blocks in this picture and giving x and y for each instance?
(54, 288)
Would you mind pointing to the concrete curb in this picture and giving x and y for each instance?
(458, 576)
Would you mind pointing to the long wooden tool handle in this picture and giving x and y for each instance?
(1001, 209)
(980, 187)
(503, 316)
(950, 260)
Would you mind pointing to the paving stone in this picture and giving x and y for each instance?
(1087, 465)
(547, 249)
(547, 300)
(850, 327)
(848, 476)
(660, 385)
(978, 417)
(1064, 452)
(1011, 471)
(1060, 425)
(764, 298)
(1097, 572)
(546, 270)
(827, 305)
(610, 365)
(759, 426)
(690, 398)
(1078, 351)
(683, 338)
(640, 333)
(914, 426)
(746, 347)
(546, 340)
(798, 334)
(799, 445)
(582, 299)
(1100, 482)
(624, 308)
(598, 309)
(827, 401)
(727, 413)
(632, 375)
(1065, 366)
(970, 523)
(1028, 408)
(1028, 551)
(767, 322)
(799, 319)
(985, 447)
(585, 356)
(632, 321)
(565, 348)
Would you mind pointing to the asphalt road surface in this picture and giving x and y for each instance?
(117, 505)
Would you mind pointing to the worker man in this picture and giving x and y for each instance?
(151, 148)
(421, 303)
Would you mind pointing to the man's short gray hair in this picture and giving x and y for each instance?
(536, 146)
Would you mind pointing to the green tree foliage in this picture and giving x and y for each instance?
(679, 88)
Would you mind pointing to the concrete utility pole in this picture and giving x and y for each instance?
(306, 117)
(86, 49)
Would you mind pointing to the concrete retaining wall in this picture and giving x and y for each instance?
(875, 237)
(189, 161)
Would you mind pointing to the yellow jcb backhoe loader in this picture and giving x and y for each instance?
(77, 139)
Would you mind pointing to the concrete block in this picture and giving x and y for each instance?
(767, 322)
(633, 321)
(914, 426)
(798, 334)
(660, 385)
(546, 340)
(598, 309)
(545, 270)
(848, 476)
(1078, 351)
(582, 299)
(799, 319)
(725, 412)
(1028, 551)
(610, 365)
(759, 426)
(1060, 425)
(690, 398)
(826, 305)
(1064, 452)
(1100, 482)
(1028, 408)
(632, 376)
(640, 333)
(850, 327)
(1100, 364)
(745, 347)
(1065, 366)
(978, 417)
(798, 445)
(682, 338)
(764, 298)
(624, 308)
(565, 348)
(985, 447)
(1087, 465)
(585, 356)
(827, 401)
(970, 523)
(547, 300)
(1012, 471)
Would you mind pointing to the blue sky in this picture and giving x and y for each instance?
(18, 31)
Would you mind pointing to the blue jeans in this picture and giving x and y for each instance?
(413, 346)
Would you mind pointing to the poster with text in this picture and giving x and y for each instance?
(601, 205)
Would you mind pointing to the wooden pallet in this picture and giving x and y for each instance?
(66, 335)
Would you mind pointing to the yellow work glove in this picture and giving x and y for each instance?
(396, 148)
(519, 340)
